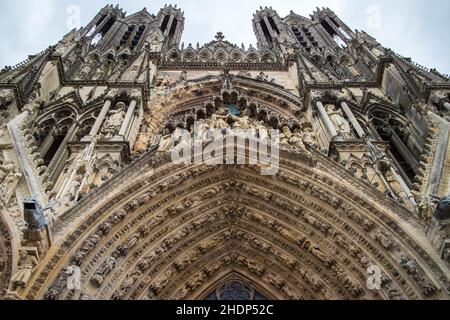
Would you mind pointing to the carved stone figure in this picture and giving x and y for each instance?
(129, 282)
(25, 269)
(219, 119)
(155, 45)
(341, 125)
(289, 139)
(74, 279)
(384, 240)
(167, 142)
(309, 138)
(114, 122)
(8, 184)
(106, 268)
(319, 254)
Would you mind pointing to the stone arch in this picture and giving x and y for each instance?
(51, 129)
(179, 229)
(406, 143)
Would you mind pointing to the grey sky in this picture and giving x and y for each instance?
(414, 28)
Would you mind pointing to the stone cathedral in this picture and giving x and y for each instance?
(93, 207)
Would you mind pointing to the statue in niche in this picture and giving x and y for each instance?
(87, 68)
(155, 44)
(353, 70)
(26, 266)
(114, 122)
(118, 69)
(73, 188)
(166, 144)
(341, 125)
(101, 71)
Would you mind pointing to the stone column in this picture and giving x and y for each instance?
(272, 32)
(104, 22)
(403, 149)
(128, 119)
(336, 29)
(326, 119)
(404, 186)
(48, 141)
(353, 120)
(169, 25)
(98, 123)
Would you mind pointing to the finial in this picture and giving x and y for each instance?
(219, 36)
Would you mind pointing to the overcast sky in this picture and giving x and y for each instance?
(414, 28)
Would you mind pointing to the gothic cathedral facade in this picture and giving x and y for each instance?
(94, 207)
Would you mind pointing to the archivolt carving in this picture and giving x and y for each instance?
(6, 259)
(186, 221)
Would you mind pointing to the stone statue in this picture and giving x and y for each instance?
(8, 184)
(87, 68)
(309, 138)
(104, 270)
(27, 265)
(101, 71)
(155, 44)
(341, 125)
(74, 279)
(166, 144)
(74, 187)
(296, 139)
(183, 76)
(219, 119)
(6, 169)
(319, 254)
(291, 140)
(114, 122)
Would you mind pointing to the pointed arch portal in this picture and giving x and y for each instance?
(165, 231)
